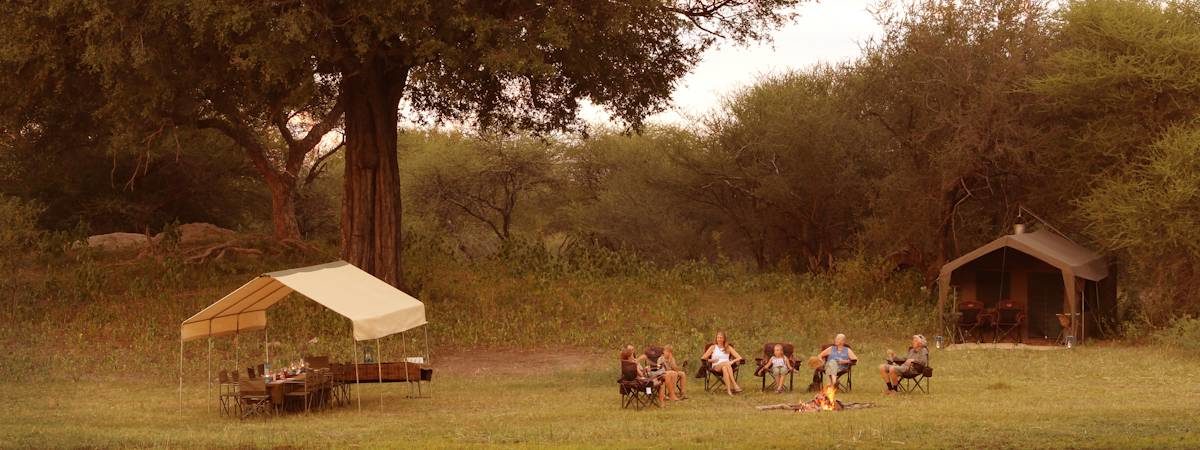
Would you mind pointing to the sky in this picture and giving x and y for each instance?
(827, 32)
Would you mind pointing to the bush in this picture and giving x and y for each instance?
(1182, 333)
(18, 225)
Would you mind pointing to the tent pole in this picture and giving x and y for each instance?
(267, 349)
(404, 354)
(379, 367)
(237, 363)
(208, 370)
(1083, 314)
(428, 360)
(357, 382)
(181, 375)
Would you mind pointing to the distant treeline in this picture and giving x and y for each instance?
(961, 114)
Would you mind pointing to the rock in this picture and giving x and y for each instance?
(118, 241)
(199, 233)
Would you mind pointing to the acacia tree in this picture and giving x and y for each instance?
(481, 180)
(517, 64)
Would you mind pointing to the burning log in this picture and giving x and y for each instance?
(823, 401)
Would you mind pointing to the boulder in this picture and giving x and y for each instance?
(118, 241)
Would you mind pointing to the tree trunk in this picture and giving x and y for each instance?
(283, 208)
(371, 191)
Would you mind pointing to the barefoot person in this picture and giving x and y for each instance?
(837, 358)
(642, 374)
(721, 357)
(673, 373)
(918, 356)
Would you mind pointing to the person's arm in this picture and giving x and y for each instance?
(824, 355)
(921, 357)
(853, 357)
(708, 353)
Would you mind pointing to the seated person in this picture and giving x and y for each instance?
(641, 375)
(837, 359)
(672, 373)
(721, 357)
(912, 364)
(778, 365)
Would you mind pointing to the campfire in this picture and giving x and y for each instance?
(826, 400)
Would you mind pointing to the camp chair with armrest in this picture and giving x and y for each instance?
(652, 354)
(972, 317)
(1009, 318)
(921, 378)
(713, 379)
(845, 377)
(789, 351)
(637, 392)
(253, 398)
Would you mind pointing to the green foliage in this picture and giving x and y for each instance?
(1182, 333)
(18, 225)
(1151, 215)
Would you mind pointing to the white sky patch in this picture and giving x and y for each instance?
(832, 31)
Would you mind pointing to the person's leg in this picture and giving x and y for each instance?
(887, 377)
(831, 370)
(671, 378)
(733, 378)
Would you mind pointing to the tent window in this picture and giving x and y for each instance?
(992, 286)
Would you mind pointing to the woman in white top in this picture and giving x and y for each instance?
(721, 357)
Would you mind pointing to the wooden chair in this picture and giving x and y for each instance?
(921, 378)
(789, 351)
(253, 398)
(713, 379)
(314, 390)
(971, 317)
(339, 382)
(317, 362)
(1009, 318)
(637, 392)
(845, 377)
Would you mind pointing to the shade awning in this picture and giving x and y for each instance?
(376, 309)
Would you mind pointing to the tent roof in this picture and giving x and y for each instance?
(377, 309)
(1047, 246)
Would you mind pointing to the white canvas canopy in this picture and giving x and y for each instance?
(376, 308)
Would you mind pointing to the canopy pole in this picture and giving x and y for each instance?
(379, 366)
(267, 349)
(181, 375)
(1083, 314)
(208, 370)
(357, 382)
(404, 351)
(428, 360)
(237, 363)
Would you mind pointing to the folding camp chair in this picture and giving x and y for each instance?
(253, 398)
(637, 392)
(763, 373)
(713, 379)
(653, 353)
(845, 377)
(972, 317)
(227, 393)
(920, 379)
(1009, 318)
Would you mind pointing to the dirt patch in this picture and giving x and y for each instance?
(516, 361)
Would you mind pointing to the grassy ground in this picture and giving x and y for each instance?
(1092, 397)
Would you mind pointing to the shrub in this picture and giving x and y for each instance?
(1182, 333)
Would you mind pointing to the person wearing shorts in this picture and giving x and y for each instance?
(895, 368)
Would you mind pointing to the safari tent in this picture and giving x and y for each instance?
(1045, 274)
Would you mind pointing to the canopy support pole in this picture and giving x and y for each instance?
(379, 368)
(237, 354)
(404, 351)
(208, 370)
(180, 375)
(357, 382)
(428, 361)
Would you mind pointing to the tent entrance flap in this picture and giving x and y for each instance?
(375, 308)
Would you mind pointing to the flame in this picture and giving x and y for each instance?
(828, 403)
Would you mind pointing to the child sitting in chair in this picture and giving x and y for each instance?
(777, 365)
